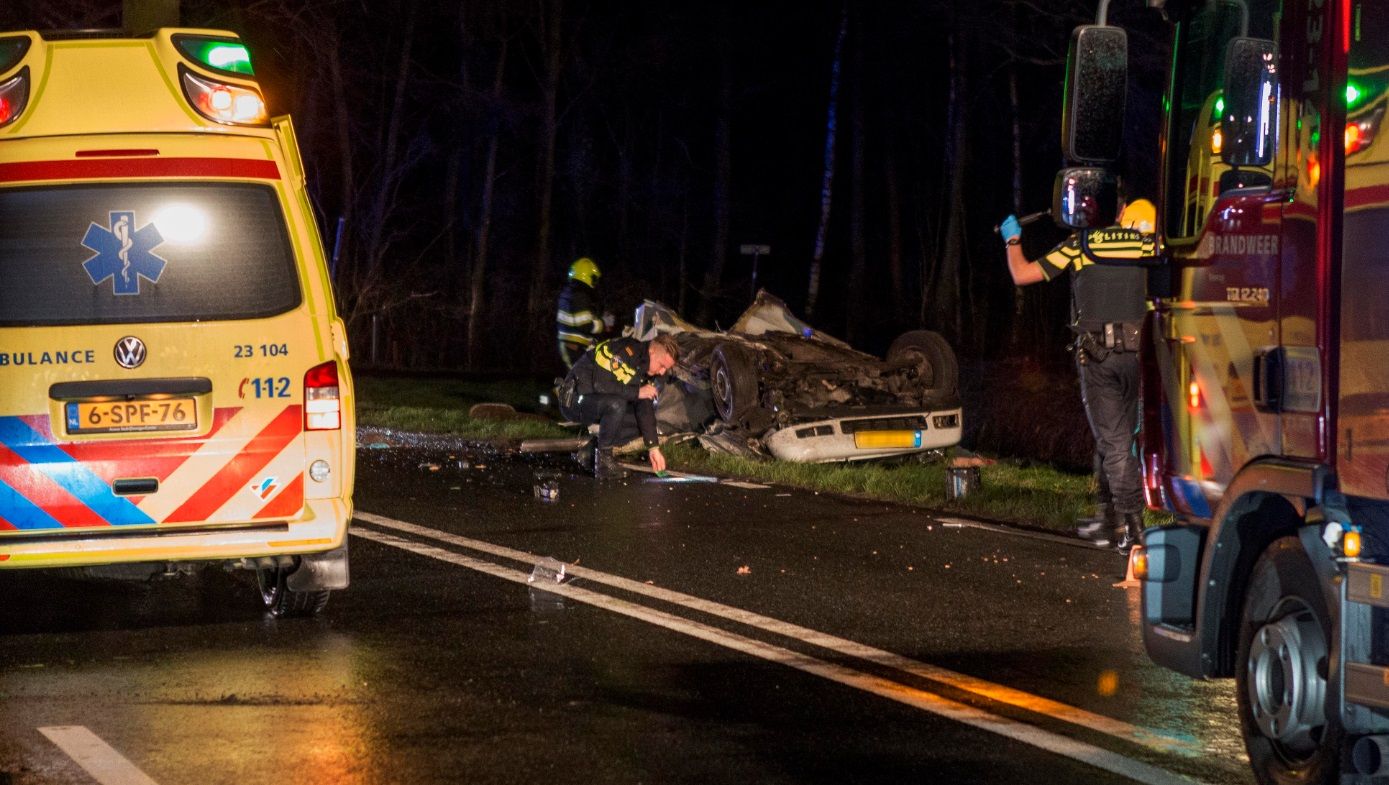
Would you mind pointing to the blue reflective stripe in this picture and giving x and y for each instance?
(72, 476)
(23, 513)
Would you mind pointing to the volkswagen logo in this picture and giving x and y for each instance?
(130, 352)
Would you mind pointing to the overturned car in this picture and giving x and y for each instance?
(805, 396)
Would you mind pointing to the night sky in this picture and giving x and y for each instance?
(476, 148)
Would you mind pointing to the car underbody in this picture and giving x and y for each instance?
(781, 386)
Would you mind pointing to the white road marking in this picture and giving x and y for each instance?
(95, 756)
(850, 677)
(1151, 739)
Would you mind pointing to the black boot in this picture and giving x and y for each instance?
(585, 456)
(1130, 533)
(605, 466)
(1098, 528)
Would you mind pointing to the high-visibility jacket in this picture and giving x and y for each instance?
(1103, 293)
(577, 320)
(618, 366)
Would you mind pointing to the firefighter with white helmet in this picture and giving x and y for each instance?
(577, 320)
(1108, 303)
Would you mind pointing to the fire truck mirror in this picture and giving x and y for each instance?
(1092, 117)
(1251, 105)
(1085, 197)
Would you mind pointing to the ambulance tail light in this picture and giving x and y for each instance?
(322, 404)
(224, 103)
(14, 95)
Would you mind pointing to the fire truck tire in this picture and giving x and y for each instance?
(938, 368)
(283, 602)
(733, 379)
(1280, 671)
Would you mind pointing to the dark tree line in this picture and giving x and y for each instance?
(463, 153)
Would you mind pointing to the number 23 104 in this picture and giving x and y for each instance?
(245, 350)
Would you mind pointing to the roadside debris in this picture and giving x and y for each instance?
(549, 571)
(546, 486)
(745, 570)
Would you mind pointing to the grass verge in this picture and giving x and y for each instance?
(1016, 491)
(1009, 491)
(441, 406)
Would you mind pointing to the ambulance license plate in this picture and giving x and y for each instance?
(162, 414)
(879, 440)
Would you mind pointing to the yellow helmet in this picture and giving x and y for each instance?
(1139, 214)
(585, 270)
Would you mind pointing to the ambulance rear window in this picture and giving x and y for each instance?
(116, 253)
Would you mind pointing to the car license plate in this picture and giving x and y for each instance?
(158, 414)
(878, 440)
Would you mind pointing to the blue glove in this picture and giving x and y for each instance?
(1010, 228)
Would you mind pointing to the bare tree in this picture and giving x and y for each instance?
(827, 183)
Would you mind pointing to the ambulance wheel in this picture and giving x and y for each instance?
(282, 601)
(936, 365)
(733, 379)
(1280, 671)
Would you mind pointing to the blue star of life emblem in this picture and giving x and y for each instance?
(123, 253)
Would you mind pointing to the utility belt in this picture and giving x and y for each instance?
(1109, 338)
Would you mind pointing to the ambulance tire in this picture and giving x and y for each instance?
(938, 369)
(1280, 672)
(283, 602)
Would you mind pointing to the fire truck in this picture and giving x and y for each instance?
(1266, 362)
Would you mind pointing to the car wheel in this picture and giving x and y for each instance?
(933, 357)
(1280, 671)
(733, 381)
(284, 602)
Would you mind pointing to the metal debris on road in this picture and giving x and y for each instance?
(546, 486)
(751, 486)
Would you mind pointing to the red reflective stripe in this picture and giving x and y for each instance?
(92, 168)
(30, 482)
(157, 458)
(289, 502)
(234, 477)
(1364, 197)
(9, 527)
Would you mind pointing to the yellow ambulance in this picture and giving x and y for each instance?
(174, 388)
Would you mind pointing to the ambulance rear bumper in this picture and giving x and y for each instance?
(322, 528)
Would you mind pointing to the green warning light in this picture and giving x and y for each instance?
(229, 56)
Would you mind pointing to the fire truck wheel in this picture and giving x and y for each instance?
(1280, 671)
(939, 371)
(284, 602)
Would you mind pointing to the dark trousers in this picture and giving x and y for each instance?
(615, 416)
(1109, 389)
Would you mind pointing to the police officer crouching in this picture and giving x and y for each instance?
(1108, 303)
(613, 385)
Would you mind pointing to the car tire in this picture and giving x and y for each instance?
(733, 381)
(938, 368)
(1280, 672)
(283, 602)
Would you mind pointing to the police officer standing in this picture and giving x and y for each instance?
(576, 320)
(613, 386)
(1108, 303)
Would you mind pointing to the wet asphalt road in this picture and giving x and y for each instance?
(921, 651)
